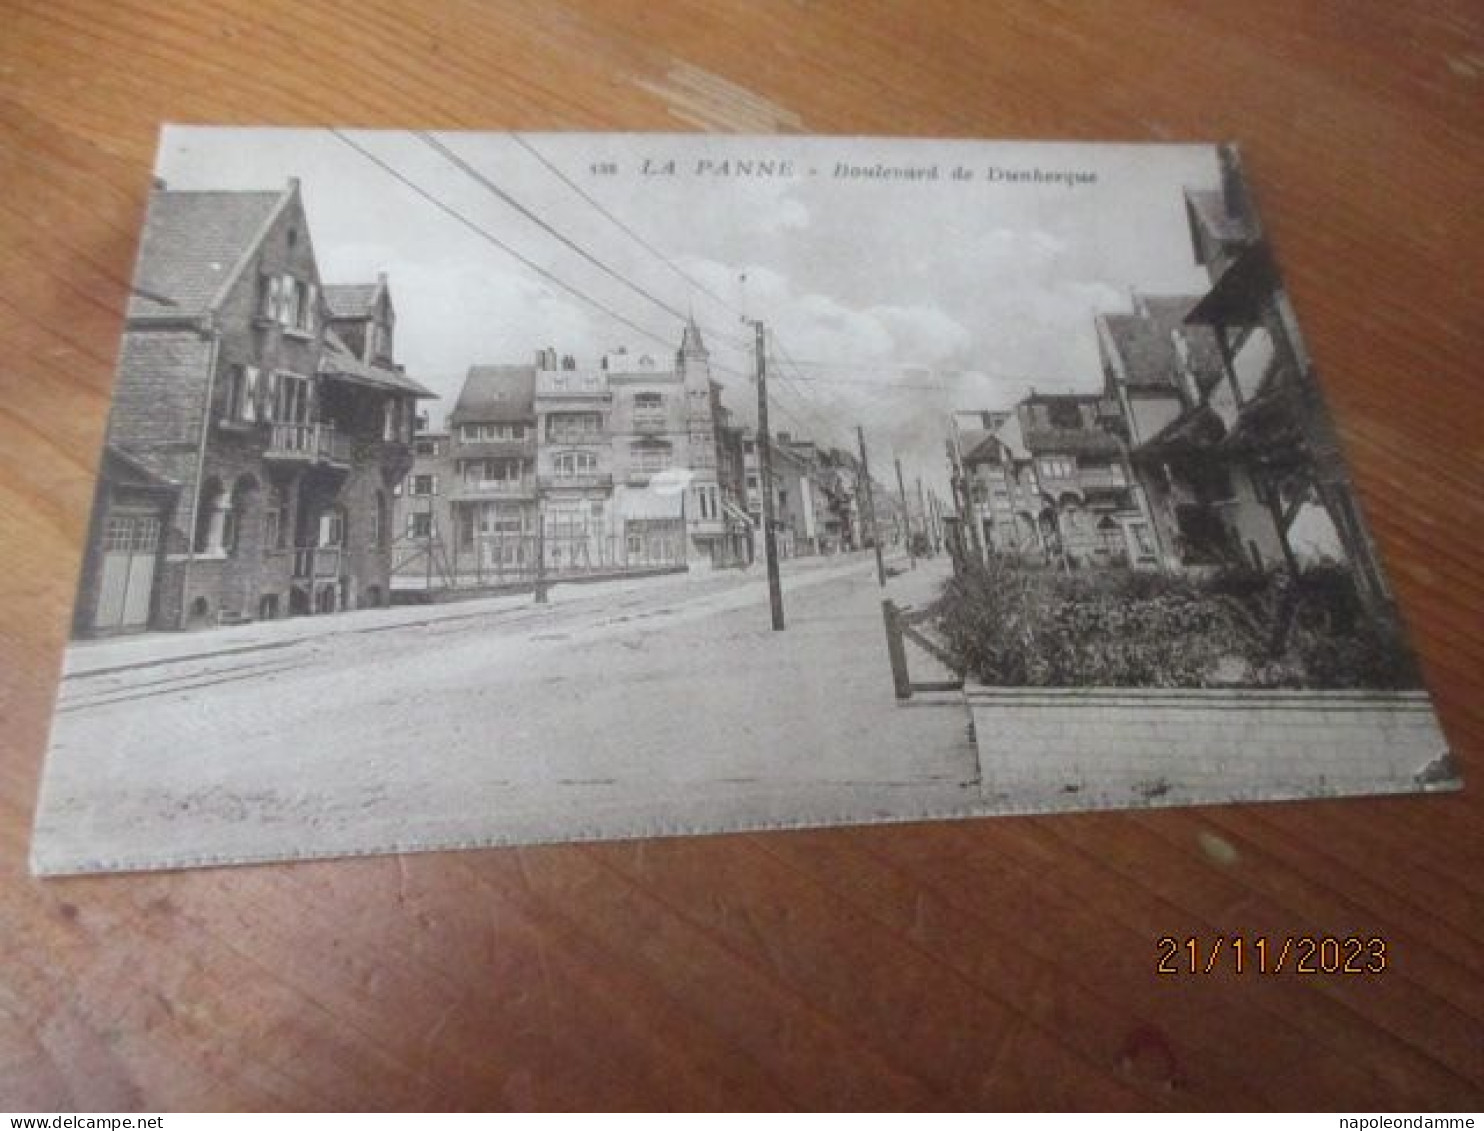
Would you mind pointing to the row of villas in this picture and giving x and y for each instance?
(625, 466)
(260, 426)
(1208, 444)
(263, 460)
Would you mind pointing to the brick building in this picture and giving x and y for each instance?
(250, 445)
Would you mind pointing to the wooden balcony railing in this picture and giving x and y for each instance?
(308, 443)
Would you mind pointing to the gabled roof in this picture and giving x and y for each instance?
(193, 244)
(970, 440)
(337, 360)
(498, 394)
(1147, 350)
(350, 300)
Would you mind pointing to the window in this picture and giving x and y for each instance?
(288, 301)
(426, 447)
(131, 534)
(422, 486)
(275, 521)
(573, 427)
(1058, 467)
(489, 433)
(332, 527)
(290, 398)
(650, 457)
(570, 465)
(420, 525)
(649, 409)
(482, 471)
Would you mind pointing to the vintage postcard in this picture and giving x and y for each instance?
(466, 489)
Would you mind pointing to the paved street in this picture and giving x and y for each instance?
(662, 705)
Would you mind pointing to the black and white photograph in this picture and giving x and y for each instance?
(465, 489)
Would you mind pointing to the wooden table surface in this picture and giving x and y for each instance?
(990, 963)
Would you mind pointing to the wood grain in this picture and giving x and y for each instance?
(993, 963)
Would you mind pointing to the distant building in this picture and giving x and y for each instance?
(423, 519)
(252, 450)
(1050, 484)
(492, 474)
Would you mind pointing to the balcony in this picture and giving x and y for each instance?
(651, 424)
(308, 443)
(508, 449)
(575, 437)
(1101, 478)
(602, 481)
(316, 563)
(473, 490)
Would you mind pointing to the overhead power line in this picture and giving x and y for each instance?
(561, 237)
(499, 243)
(691, 280)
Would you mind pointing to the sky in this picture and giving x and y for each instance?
(889, 302)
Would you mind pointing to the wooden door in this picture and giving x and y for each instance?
(130, 545)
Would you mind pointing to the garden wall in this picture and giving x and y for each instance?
(1052, 748)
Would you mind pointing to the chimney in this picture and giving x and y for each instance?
(293, 184)
(1233, 183)
(381, 278)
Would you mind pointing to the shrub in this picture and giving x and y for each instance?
(1021, 628)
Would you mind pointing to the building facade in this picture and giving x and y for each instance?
(275, 442)
(1051, 485)
(490, 485)
(423, 520)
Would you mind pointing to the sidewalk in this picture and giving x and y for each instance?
(95, 657)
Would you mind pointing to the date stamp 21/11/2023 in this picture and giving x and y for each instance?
(1264, 954)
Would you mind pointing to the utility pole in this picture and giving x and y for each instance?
(765, 474)
(922, 513)
(906, 515)
(871, 507)
(540, 548)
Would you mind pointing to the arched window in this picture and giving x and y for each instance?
(234, 518)
(208, 530)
